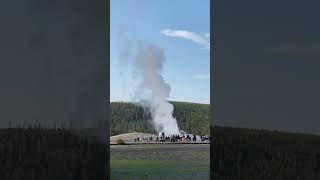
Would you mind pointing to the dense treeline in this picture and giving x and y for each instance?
(39, 154)
(260, 154)
(129, 117)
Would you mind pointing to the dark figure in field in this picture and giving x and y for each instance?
(194, 138)
(138, 139)
(157, 139)
(162, 135)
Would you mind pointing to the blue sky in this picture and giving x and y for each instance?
(181, 28)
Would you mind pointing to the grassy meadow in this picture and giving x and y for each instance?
(160, 161)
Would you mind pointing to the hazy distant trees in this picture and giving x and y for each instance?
(260, 154)
(39, 154)
(129, 117)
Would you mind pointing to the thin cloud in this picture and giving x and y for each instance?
(201, 76)
(202, 40)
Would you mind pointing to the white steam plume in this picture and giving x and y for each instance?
(150, 89)
(148, 64)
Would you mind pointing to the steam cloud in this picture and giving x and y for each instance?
(148, 63)
(150, 89)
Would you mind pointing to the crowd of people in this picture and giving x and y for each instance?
(173, 138)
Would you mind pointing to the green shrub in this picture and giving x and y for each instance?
(120, 142)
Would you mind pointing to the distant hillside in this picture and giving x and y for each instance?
(261, 154)
(128, 117)
(50, 154)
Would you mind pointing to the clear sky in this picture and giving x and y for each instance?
(181, 28)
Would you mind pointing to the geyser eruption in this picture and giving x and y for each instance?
(148, 64)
